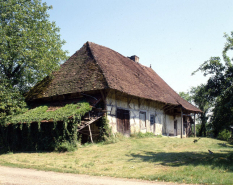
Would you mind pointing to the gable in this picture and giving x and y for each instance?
(78, 74)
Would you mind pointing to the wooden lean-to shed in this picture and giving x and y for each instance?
(134, 97)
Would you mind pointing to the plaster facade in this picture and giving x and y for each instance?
(163, 124)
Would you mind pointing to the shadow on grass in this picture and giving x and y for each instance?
(215, 160)
(4, 151)
(226, 145)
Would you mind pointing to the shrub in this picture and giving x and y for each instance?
(66, 146)
(142, 135)
(224, 135)
(113, 138)
(198, 128)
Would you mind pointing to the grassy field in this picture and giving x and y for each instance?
(157, 159)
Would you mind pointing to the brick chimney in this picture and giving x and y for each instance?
(134, 58)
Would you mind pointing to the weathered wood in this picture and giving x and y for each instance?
(181, 123)
(123, 125)
(88, 123)
(129, 99)
(140, 101)
(178, 114)
(103, 96)
(194, 125)
(115, 97)
(90, 133)
(187, 115)
(169, 108)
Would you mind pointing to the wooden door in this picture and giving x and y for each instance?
(175, 128)
(123, 125)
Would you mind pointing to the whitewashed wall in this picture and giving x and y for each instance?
(164, 124)
(169, 126)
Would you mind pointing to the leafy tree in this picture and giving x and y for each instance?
(219, 88)
(186, 96)
(11, 101)
(197, 96)
(30, 49)
(30, 46)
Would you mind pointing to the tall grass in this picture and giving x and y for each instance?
(150, 158)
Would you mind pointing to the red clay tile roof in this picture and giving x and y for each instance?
(96, 67)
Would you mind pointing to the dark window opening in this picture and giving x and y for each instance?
(152, 119)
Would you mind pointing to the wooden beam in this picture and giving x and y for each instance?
(88, 123)
(194, 125)
(90, 133)
(183, 114)
(169, 108)
(187, 115)
(140, 101)
(166, 106)
(103, 96)
(181, 122)
(129, 99)
(115, 97)
(104, 99)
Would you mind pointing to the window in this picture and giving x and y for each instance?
(152, 123)
(152, 119)
(142, 118)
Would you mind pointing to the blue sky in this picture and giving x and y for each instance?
(174, 36)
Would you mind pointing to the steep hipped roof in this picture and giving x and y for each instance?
(96, 67)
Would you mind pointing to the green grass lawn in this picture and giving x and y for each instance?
(157, 159)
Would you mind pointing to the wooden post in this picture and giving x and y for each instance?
(104, 100)
(194, 125)
(90, 133)
(181, 123)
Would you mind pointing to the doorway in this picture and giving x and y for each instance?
(123, 125)
(175, 128)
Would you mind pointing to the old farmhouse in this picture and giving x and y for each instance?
(133, 96)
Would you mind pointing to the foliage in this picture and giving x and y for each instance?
(40, 113)
(197, 95)
(186, 96)
(199, 98)
(224, 135)
(106, 132)
(198, 132)
(218, 90)
(11, 101)
(143, 135)
(104, 128)
(65, 146)
(113, 138)
(30, 44)
(28, 132)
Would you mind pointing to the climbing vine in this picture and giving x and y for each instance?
(41, 113)
(30, 131)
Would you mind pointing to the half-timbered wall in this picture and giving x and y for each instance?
(164, 124)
